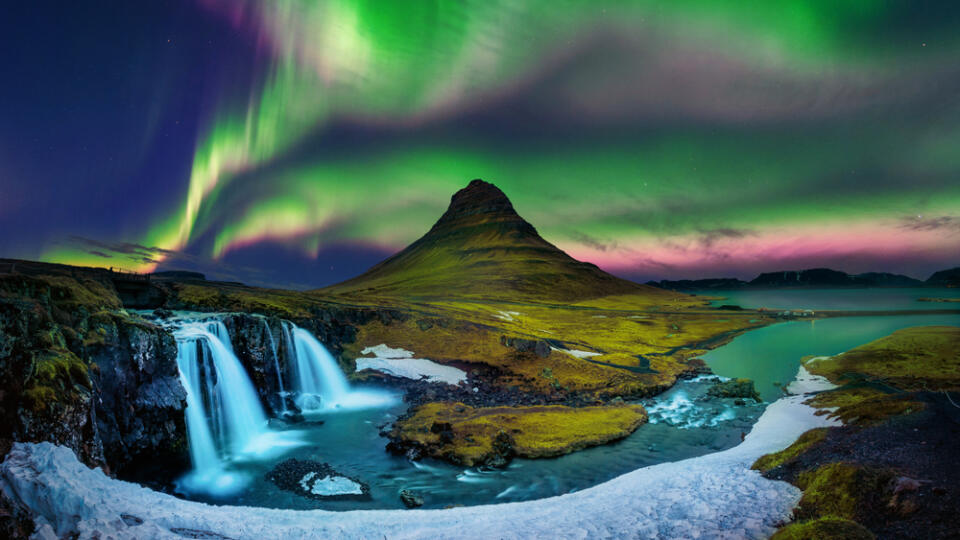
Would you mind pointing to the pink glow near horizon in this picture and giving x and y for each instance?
(858, 247)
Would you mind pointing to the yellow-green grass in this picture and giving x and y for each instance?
(535, 432)
(863, 406)
(801, 445)
(472, 333)
(64, 292)
(220, 297)
(920, 358)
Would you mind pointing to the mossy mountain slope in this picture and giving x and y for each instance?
(482, 249)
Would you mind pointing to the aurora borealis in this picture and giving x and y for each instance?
(297, 142)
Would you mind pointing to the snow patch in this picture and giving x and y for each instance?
(578, 354)
(507, 315)
(807, 383)
(401, 363)
(329, 485)
(712, 496)
(383, 351)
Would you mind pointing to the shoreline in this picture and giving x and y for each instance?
(715, 494)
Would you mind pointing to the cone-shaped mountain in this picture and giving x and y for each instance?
(482, 249)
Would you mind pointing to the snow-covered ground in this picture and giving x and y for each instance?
(401, 363)
(712, 496)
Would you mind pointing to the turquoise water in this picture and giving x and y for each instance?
(688, 426)
(684, 422)
(772, 354)
(838, 299)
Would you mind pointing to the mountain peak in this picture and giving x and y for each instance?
(481, 248)
(478, 198)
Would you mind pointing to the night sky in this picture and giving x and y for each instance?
(297, 142)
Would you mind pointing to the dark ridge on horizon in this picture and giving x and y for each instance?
(816, 277)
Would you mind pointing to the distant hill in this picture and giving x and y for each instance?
(482, 249)
(945, 278)
(699, 284)
(814, 277)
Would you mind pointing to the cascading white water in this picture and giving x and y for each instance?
(225, 420)
(203, 452)
(236, 410)
(320, 383)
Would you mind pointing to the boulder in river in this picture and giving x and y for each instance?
(316, 480)
(411, 499)
(735, 388)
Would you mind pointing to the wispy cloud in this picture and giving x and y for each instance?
(709, 237)
(594, 242)
(931, 223)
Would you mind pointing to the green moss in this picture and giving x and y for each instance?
(533, 432)
(828, 528)
(921, 358)
(39, 397)
(801, 445)
(59, 368)
(863, 406)
(839, 489)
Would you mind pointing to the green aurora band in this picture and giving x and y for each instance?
(651, 136)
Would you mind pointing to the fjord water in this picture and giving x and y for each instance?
(876, 299)
(770, 355)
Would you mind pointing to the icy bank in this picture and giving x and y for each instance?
(713, 496)
(401, 363)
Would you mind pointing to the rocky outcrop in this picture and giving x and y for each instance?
(735, 388)
(317, 480)
(539, 347)
(139, 402)
(82, 373)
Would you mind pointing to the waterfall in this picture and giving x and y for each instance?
(225, 421)
(320, 383)
(203, 452)
(232, 403)
(276, 367)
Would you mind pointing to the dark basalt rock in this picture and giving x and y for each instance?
(289, 475)
(82, 373)
(736, 388)
(411, 499)
(539, 347)
(140, 402)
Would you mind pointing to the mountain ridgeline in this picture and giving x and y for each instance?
(815, 277)
(482, 249)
